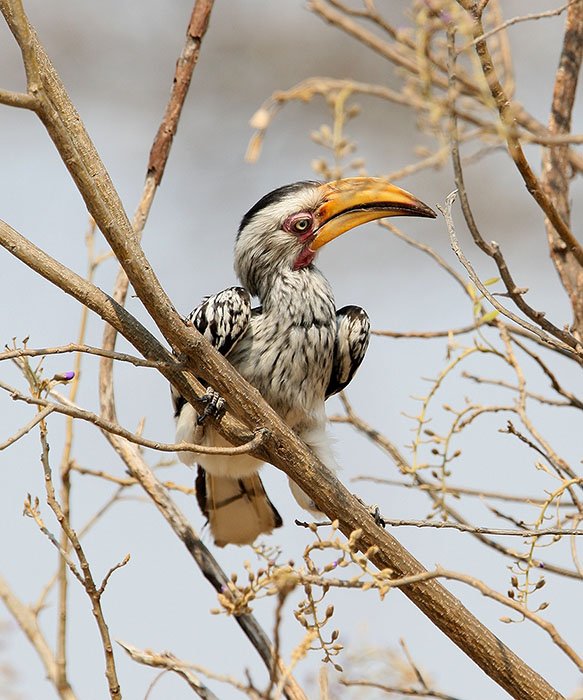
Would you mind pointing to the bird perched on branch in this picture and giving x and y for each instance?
(295, 348)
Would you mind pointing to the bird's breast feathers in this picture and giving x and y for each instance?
(289, 363)
(287, 350)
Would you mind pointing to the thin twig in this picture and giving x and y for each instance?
(516, 20)
(454, 490)
(31, 509)
(65, 467)
(79, 348)
(27, 428)
(544, 337)
(556, 171)
(492, 249)
(87, 577)
(387, 446)
(76, 412)
(171, 663)
(507, 385)
(445, 525)
(398, 690)
(28, 623)
(508, 118)
(426, 335)
(18, 99)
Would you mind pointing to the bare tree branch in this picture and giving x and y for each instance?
(27, 428)
(28, 623)
(75, 348)
(409, 692)
(445, 525)
(86, 577)
(555, 165)
(492, 249)
(110, 427)
(516, 20)
(547, 339)
(168, 661)
(508, 118)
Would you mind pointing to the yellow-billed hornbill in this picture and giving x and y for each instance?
(295, 348)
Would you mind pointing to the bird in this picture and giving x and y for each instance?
(295, 347)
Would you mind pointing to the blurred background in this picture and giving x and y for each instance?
(117, 61)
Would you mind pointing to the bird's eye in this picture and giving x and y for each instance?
(299, 224)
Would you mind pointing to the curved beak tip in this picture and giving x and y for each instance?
(426, 211)
(354, 201)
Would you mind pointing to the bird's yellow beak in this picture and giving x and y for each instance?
(357, 200)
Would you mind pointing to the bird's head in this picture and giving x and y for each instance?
(285, 229)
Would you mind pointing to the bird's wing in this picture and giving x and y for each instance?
(352, 336)
(223, 319)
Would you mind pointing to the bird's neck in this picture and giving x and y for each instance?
(303, 296)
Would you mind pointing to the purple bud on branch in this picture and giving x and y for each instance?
(64, 377)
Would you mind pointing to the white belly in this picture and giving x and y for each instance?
(233, 466)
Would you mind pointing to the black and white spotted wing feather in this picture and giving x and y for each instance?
(352, 336)
(223, 319)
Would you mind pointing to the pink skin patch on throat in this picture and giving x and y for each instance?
(305, 258)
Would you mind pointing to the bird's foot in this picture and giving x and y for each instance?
(214, 404)
(377, 515)
(374, 512)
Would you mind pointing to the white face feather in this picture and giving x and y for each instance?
(263, 248)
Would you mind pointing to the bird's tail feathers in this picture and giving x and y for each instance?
(238, 510)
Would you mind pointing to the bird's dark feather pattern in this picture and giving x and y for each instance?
(223, 318)
(350, 346)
